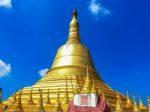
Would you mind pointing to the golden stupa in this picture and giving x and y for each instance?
(71, 72)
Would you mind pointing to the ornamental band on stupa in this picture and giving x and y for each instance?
(72, 84)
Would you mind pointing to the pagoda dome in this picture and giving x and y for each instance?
(73, 57)
(73, 53)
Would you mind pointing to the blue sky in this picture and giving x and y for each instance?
(117, 33)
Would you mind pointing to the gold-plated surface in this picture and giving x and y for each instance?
(72, 72)
(73, 53)
(87, 86)
(148, 100)
(18, 104)
(129, 104)
(136, 108)
(142, 107)
(74, 30)
(39, 106)
(118, 104)
(58, 107)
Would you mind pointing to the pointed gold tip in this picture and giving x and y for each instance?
(74, 29)
(93, 88)
(30, 100)
(148, 99)
(135, 108)
(142, 107)
(74, 13)
(48, 102)
(87, 73)
(30, 94)
(100, 91)
(118, 104)
(87, 88)
(129, 104)
(58, 99)
(103, 94)
(134, 97)
(127, 93)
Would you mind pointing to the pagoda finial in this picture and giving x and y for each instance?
(100, 91)
(30, 101)
(135, 108)
(74, 88)
(58, 100)
(87, 78)
(93, 88)
(18, 105)
(129, 104)
(14, 99)
(66, 98)
(66, 83)
(58, 104)
(74, 29)
(142, 107)
(1, 96)
(148, 99)
(19, 99)
(118, 104)
(48, 102)
(103, 94)
(87, 83)
(40, 107)
(72, 85)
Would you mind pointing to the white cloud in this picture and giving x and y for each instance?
(6, 3)
(96, 8)
(5, 69)
(43, 72)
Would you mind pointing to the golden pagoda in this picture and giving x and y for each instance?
(72, 72)
(142, 107)
(118, 104)
(129, 104)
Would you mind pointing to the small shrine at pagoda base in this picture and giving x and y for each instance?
(72, 84)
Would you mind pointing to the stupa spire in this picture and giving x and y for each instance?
(30, 101)
(135, 108)
(103, 94)
(100, 91)
(14, 99)
(73, 37)
(142, 107)
(40, 107)
(66, 97)
(129, 104)
(148, 99)
(93, 88)
(58, 103)
(18, 106)
(118, 104)
(87, 83)
(48, 102)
